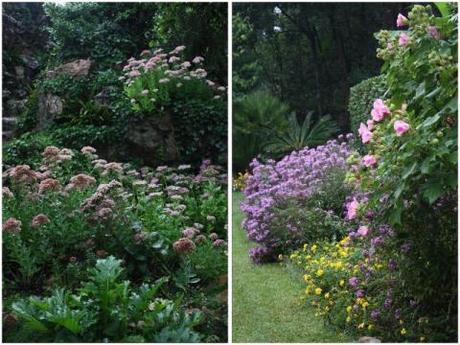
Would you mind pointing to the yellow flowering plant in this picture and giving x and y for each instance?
(239, 182)
(336, 286)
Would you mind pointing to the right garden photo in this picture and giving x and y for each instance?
(345, 154)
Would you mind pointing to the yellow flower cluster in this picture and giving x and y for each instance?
(327, 267)
(239, 182)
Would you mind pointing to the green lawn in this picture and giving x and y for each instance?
(266, 299)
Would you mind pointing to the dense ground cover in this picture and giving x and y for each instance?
(110, 253)
(373, 229)
(266, 304)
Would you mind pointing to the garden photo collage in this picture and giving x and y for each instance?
(229, 172)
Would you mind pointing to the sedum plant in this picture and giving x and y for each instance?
(106, 309)
(159, 78)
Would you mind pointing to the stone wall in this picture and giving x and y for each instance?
(24, 43)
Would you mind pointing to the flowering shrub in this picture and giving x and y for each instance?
(155, 79)
(274, 186)
(403, 282)
(419, 121)
(362, 96)
(193, 107)
(352, 289)
(239, 182)
(63, 214)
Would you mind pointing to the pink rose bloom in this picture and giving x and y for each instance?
(365, 133)
(369, 160)
(352, 208)
(379, 110)
(400, 127)
(433, 32)
(370, 124)
(401, 20)
(363, 231)
(403, 40)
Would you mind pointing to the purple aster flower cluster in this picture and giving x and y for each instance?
(260, 255)
(297, 175)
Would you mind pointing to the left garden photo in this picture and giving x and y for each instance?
(114, 199)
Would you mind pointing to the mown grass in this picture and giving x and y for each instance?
(266, 299)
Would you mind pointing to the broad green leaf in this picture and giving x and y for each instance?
(453, 157)
(452, 180)
(432, 191)
(395, 216)
(443, 8)
(425, 167)
(408, 171)
(430, 120)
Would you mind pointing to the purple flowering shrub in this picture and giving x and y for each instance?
(275, 191)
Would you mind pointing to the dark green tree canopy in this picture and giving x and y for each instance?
(309, 54)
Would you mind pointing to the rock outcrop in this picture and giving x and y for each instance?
(77, 69)
(48, 107)
(23, 42)
(152, 139)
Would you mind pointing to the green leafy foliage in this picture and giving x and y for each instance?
(201, 129)
(422, 82)
(201, 27)
(298, 136)
(362, 96)
(106, 309)
(256, 118)
(104, 33)
(308, 55)
(26, 149)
